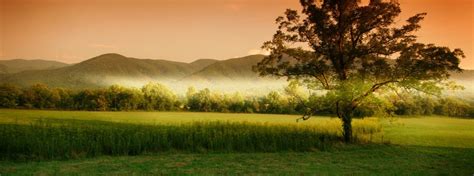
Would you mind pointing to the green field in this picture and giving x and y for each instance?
(416, 145)
(26, 116)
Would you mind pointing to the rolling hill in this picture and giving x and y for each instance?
(118, 65)
(202, 63)
(228, 70)
(225, 75)
(107, 69)
(19, 65)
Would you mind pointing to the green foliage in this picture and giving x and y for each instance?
(156, 97)
(9, 96)
(236, 102)
(199, 101)
(66, 101)
(414, 105)
(454, 107)
(426, 105)
(40, 96)
(272, 103)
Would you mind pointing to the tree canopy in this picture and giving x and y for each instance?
(352, 50)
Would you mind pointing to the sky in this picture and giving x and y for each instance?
(71, 31)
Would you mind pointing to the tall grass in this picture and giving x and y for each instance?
(62, 139)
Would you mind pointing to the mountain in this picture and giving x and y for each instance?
(104, 70)
(202, 63)
(110, 69)
(228, 70)
(118, 65)
(225, 75)
(19, 65)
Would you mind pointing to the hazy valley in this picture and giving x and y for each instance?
(110, 69)
(228, 75)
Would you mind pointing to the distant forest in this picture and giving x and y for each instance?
(157, 97)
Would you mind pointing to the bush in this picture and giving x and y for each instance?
(158, 97)
(454, 107)
(9, 96)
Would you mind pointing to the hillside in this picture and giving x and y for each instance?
(104, 70)
(118, 65)
(19, 65)
(228, 70)
(202, 63)
(110, 69)
(227, 75)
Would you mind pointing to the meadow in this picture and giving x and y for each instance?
(223, 143)
(91, 134)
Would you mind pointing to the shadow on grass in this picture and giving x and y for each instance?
(348, 159)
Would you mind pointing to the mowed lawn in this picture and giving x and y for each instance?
(416, 146)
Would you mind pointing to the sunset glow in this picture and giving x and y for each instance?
(75, 30)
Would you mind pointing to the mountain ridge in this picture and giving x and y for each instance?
(112, 68)
(19, 65)
(229, 69)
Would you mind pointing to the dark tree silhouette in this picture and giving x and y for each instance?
(353, 51)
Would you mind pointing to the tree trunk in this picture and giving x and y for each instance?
(347, 127)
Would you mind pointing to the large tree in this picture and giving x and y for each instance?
(354, 50)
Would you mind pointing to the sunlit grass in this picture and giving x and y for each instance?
(26, 116)
(405, 130)
(67, 134)
(420, 145)
(268, 132)
(328, 124)
(431, 131)
(72, 139)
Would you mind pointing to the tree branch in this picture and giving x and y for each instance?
(374, 88)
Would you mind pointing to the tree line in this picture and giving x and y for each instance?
(157, 97)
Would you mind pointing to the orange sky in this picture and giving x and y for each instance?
(184, 30)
